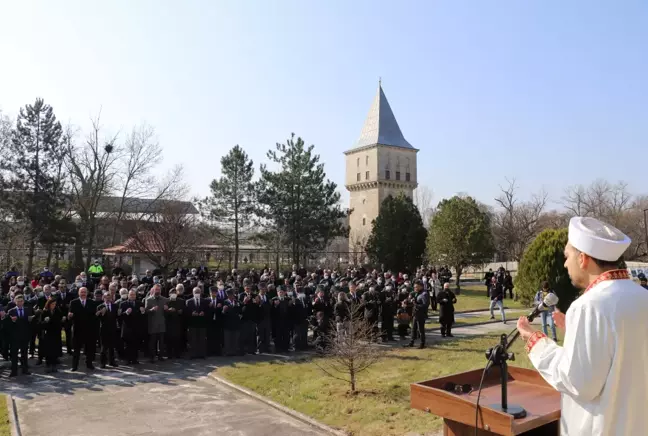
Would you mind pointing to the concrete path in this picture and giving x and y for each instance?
(169, 398)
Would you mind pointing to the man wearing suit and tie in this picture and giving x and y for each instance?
(65, 298)
(195, 312)
(131, 312)
(215, 321)
(19, 326)
(84, 324)
(107, 315)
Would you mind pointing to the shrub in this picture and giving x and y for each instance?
(544, 259)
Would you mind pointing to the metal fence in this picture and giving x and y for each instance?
(61, 261)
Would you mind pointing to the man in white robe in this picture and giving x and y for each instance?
(601, 367)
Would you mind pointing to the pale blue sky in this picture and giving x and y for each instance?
(549, 92)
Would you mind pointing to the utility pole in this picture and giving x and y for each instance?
(646, 228)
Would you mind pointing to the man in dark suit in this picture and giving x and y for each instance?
(65, 297)
(19, 325)
(264, 327)
(195, 312)
(130, 312)
(421, 303)
(107, 315)
(84, 321)
(215, 321)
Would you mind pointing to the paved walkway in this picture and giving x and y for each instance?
(170, 398)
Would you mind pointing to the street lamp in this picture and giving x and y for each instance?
(646, 228)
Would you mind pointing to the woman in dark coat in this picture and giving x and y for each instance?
(51, 320)
(446, 300)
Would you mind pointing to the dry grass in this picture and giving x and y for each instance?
(5, 430)
(382, 407)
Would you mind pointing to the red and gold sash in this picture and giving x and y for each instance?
(615, 274)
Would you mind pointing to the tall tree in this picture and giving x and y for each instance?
(460, 235)
(141, 153)
(517, 222)
(233, 196)
(544, 259)
(92, 171)
(299, 199)
(169, 231)
(423, 200)
(397, 238)
(35, 194)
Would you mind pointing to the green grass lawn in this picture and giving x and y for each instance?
(473, 297)
(382, 405)
(4, 417)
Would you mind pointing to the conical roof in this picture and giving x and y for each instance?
(381, 126)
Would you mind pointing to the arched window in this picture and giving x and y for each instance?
(358, 162)
(364, 221)
(366, 160)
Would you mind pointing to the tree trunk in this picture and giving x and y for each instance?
(353, 380)
(8, 260)
(236, 240)
(48, 262)
(91, 235)
(30, 258)
(457, 279)
(78, 252)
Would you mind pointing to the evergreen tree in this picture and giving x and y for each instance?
(544, 259)
(460, 234)
(30, 165)
(397, 239)
(233, 196)
(298, 199)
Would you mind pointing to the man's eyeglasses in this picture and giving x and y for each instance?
(458, 389)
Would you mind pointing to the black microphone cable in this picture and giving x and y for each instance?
(481, 384)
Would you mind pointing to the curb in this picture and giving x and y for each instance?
(13, 416)
(486, 310)
(454, 327)
(288, 411)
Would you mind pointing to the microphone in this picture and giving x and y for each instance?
(550, 300)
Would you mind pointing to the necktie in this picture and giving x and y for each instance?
(20, 313)
(197, 304)
(108, 307)
(83, 303)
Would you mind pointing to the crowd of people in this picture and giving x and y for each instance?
(195, 313)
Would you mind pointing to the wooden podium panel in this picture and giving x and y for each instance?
(526, 388)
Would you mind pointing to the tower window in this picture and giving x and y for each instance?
(358, 177)
(387, 175)
(407, 177)
(366, 160)
(367, 175)
(364, 221)
(397, 175)
(358, 161)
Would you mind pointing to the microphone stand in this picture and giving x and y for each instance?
(499, 355)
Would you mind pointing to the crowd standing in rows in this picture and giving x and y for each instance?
(197, 314)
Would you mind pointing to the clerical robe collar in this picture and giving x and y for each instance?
(615, 274)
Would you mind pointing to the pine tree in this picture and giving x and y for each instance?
(299, 200)
(460, 234)
(397, 238)
(544, 259)
(30, 171)
(233, 196)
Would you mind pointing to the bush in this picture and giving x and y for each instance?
(544, 259)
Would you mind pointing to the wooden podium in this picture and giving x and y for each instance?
(526, 388)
